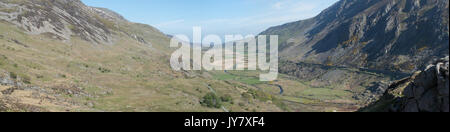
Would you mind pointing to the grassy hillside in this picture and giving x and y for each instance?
(125, 76)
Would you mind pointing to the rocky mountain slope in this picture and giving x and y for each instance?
(425, 91)
(63, 19)
(391, 35)
(361, 46)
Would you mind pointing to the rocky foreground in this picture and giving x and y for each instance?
(425, 91)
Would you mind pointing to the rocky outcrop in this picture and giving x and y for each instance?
(16, 96)
(5, 79)
(366, 85)
(429, 91)
(57, 18)
(372, 93)
(425, 91)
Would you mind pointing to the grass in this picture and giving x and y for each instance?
(325, 94)
(249, 80)
(300, 100)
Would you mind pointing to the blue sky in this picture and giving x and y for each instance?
(221, 17)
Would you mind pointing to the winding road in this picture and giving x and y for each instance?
(281, 88)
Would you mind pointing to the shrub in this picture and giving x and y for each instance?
(39, 76)
(13, 75)
(104, 70)
(26, 79)
(211, 100)
(241, 104)
(227, 98)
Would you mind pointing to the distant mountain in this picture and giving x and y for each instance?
(391, 35)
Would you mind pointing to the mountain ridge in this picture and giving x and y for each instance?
(62, 19)
(369, 34)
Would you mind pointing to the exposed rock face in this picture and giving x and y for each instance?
(5, 79)
(108, 14)
(63, 19)
(429, 91)
(363, 83)
(58, 18)
(373, 93)
(395, 35)
(426, 91)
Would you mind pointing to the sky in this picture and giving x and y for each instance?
(219, 17)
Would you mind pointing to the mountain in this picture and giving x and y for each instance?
(362, 46)
(63, 19)
(388, 35)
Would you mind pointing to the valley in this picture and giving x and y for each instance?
(65, 56)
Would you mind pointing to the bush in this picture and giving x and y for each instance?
(227, 98)
(104, 70)
(13, 75)
(26, 79)
(241, 104)
(39, 76)
(211, 100)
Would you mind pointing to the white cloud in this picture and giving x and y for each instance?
(277, 5)
(281, 12)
